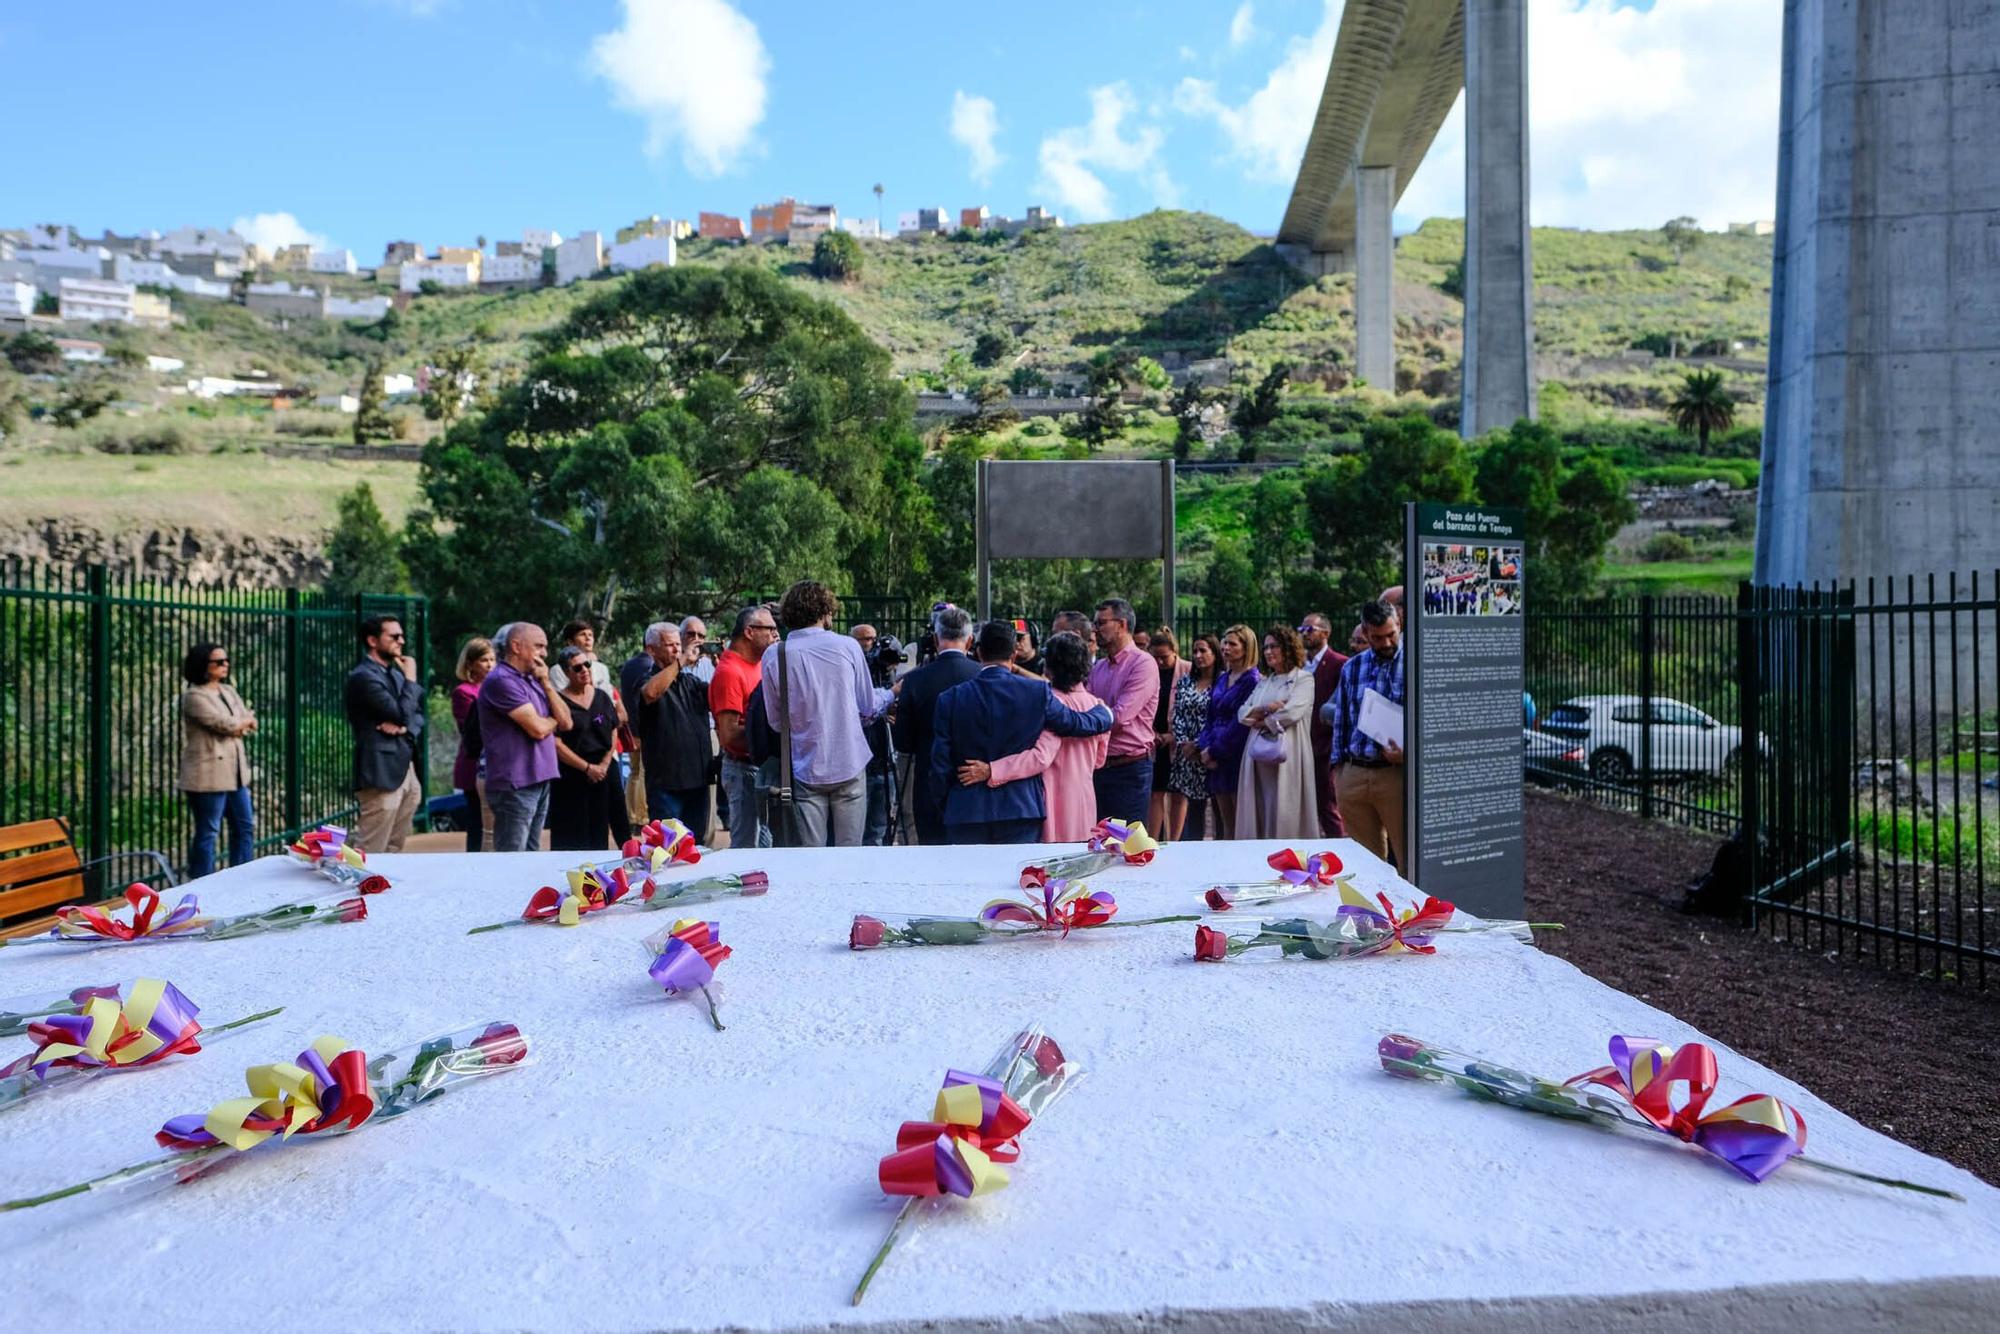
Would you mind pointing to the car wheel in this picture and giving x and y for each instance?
(1611, 766)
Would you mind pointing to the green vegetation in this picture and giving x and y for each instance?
(362, 551)
(1702, 406)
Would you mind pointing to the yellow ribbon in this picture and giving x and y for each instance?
(282, 1092)
(108, 1020)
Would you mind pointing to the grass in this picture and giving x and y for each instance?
(1682, 576)
(234, 492)
(1916, 838)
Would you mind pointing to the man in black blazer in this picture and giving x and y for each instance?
(385, 707)
(916, 712)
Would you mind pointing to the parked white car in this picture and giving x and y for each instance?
(1615, 741)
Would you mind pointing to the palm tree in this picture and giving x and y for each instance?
(878, 207)
(1702, 406)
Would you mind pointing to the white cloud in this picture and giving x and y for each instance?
(1656, 113)
(696, 70)
(1244, 26)
(1073, 158)
(1267, 132)
(269, 231)
(975, 124)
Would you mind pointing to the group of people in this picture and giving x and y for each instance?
(1000, 739)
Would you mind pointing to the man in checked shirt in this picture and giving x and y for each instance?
(1367, 774)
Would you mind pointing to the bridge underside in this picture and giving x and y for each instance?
(1397, 67)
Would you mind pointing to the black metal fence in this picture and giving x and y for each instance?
(1847, 739)
(89, 704)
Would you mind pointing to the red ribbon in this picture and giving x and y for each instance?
(1433, 917)
(145, 902)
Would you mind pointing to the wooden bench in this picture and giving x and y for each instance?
(40, 868)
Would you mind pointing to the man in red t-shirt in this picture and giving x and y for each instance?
(737, 671)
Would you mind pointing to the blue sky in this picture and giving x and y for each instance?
(359, 121)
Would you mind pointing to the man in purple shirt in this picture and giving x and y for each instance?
(1127, 679)
(520, 711)
(824, 678)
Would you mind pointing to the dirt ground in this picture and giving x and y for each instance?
(1909, 1057)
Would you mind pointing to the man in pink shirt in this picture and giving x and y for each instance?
(1127, 679)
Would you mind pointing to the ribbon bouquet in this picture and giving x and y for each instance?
(1045, 906)
(633, 879)
(95, 925)
(684, 957)
(975, 1127)
(99, 1030)
(327, 851)
(1754, 1135)
(1299, 874)
(331, 1089)
(1111, 843)
(1357, 930)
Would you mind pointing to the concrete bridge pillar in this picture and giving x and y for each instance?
(1879, 454)
(1374, 276)
(1499, 369)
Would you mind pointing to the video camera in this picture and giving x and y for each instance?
(884, 659)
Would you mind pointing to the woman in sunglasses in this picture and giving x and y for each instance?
(586, 805)
(215, 768)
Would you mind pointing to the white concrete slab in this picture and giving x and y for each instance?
(1235, 1159)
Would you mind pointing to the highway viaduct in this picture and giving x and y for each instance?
(1884, 389)
(1397, 67)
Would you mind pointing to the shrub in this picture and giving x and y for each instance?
(161, 437)
(1667, 546)
(1038, 426)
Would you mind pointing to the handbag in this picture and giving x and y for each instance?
(1265, 748)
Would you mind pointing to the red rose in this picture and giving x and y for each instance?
(1218, 900)
(1048, 1056)
(755, 882)
(374, 884)
(1210, 943)
(865, 934)
(354, 910)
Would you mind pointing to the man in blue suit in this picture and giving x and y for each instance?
(995, 714)
(916, 712)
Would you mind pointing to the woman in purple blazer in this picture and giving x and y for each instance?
(1223, 738)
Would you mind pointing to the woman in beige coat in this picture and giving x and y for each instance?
(215, 769)
(1275, 793)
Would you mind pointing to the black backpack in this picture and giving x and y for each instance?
(761, 737)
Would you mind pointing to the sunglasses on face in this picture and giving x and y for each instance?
(218, 662)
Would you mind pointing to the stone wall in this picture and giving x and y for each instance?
(186, 555)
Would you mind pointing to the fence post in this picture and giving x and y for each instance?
(1749, 772)
(97, 805)
(1647, 648)
(294, 707)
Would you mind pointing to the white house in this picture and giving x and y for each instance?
(521, 268)
(579, 257)
(80, 350)
(444, 273)
(915, 222)
(217, 386)
(203, 241)
(359, 308)
(399, 386)
(164, 365)
(54, 265)
(157, 273)
(95, 300)
(642, 252)
(331, 261)
(538, 239)
(338, 402)
(866, 229)
(17, 299)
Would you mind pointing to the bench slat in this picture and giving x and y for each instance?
(33, 834)
(46, 894)
(20, 872)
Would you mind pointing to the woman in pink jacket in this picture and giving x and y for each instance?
(1065, 763)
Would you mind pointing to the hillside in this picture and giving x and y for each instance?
(1174, 286)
